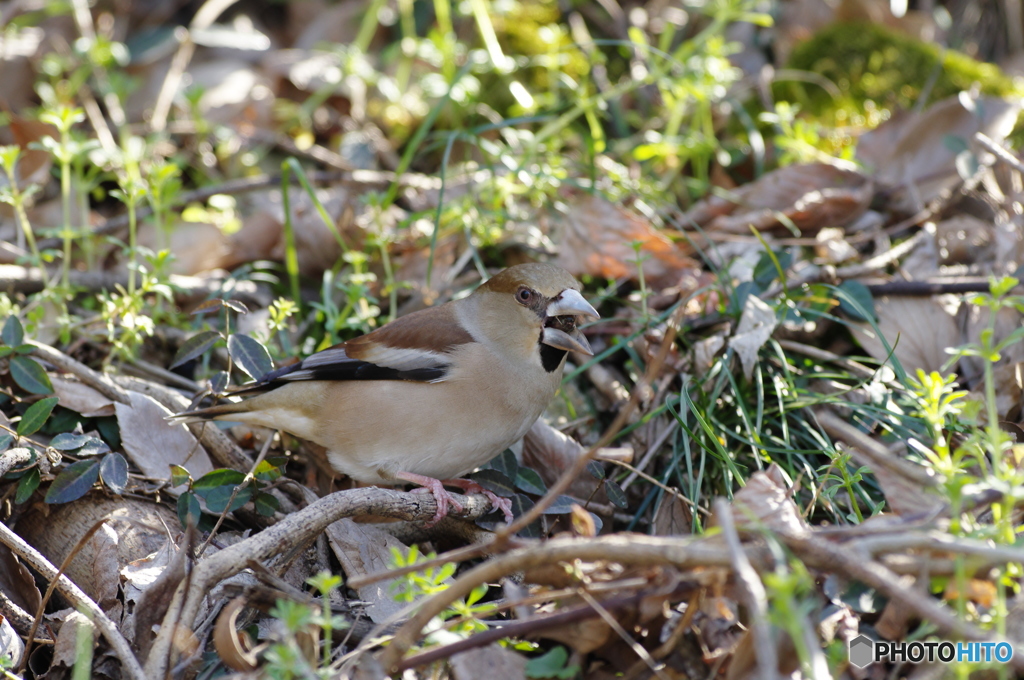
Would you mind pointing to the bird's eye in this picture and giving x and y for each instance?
(524, 295)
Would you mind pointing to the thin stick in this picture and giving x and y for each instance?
(79, 599)
(621, 632)
(754, 596)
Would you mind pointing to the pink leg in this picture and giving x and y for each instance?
(434, 486)
(497, 502)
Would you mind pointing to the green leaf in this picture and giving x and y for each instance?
(211, 305)
(217, 499)
(219, 382)
(505, 463)
(25, 349)
(26, 486)
(857, 292)
(30, 376)
(114, 472)
(36, 415)
(68, 441)
(250, 355)
(739, 297)
(236, 305)
(188, 506)
(5, 441)
(6, 351)
(74, 481)
(765, 270)
(13, 333)
(529, 481)
(179, 475)
(615, 494)
(551, 665)
(266, 504)
(267, 471)
(522, 504)
(93, 447)
(195, 346)
(560, 506)
(494, 481)
(595, 469)
(217, 478)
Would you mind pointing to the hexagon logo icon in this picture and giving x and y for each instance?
(862, 651)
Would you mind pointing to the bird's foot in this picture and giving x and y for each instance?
(436, 487)
(497, 502)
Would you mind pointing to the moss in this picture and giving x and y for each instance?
(877, 69)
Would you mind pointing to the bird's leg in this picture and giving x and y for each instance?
(436, 487)
(497, 502)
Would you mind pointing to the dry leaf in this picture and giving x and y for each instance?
(233, 92)
(672, 517)
(812, 196)
(17, 583)
(765, 502)
(11, 646)
(77, 396)
(234, 647)
(704, 353)
(757, 323)
(912, 151)
(197, 246)
(54, 530)
(920, 329)
(492, 662)
(154, 444)
(597, 240)
(315, 244)
(364, 549)
(65, 648)
(106, 570)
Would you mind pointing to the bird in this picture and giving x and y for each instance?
(434, 394)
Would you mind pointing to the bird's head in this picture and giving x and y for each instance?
(538, 304)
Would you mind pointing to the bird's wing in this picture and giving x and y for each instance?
(414, 347)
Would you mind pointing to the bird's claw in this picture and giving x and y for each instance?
(497, 502)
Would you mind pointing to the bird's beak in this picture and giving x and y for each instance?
(571, 303)
(565, 335)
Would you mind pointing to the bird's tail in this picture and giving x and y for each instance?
(209, 413)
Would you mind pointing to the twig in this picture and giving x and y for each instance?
(23, 663)
(1000, 152)
(621, 632)
(79, 599)
(234, 492)
(518, 629)
(18, 617)
(832, 558)
(220, 446)
(628, 550)
(294, 530)
(753, 594)
(98, 381)
(876, 454)
(16, 278)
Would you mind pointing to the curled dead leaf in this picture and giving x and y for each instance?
(233, 646)
(757, 323)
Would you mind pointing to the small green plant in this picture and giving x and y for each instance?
(417, 584)
(295, 653)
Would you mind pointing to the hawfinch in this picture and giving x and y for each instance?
(434, 394)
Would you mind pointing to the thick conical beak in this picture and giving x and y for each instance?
(571, 303)
(574, 341)
(565, 335)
